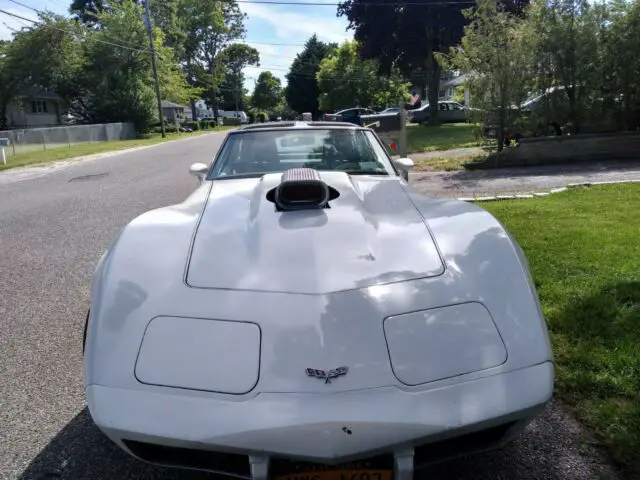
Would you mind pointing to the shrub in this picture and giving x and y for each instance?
(195, 126)
(230, 121)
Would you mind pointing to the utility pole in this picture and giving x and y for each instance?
(402, 144)
(152, 49)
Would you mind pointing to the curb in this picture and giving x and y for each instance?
(494, 198)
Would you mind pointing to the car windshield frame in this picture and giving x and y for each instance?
(215, 171)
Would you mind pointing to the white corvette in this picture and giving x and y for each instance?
(306, 313)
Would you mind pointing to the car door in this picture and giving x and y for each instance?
(444, 112)
(458, 112)
(350, 115)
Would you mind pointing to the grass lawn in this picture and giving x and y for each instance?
(443, 137)
(443, 162)
(583, 247)
(61, 153)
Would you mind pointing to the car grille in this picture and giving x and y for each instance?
(238, 465)
(283, 466)
(430, 453)
(226, 463)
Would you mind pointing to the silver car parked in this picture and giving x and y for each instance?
(448, 112)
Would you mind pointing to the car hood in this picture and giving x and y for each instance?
(371, 234)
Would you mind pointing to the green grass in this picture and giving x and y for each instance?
(446, 163)
(447, 136)
(584, 251)
(38, 155)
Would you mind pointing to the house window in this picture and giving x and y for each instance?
(38, 106)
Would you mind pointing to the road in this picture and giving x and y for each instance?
(53, 228)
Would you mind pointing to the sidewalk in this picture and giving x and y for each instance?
(520, 180)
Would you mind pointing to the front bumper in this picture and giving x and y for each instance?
(330, 429)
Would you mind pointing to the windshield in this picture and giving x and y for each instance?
(255, 153)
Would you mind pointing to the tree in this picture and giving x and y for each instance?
(621, 61)
(236, 57)
(344, 80)
(173, 84)
(120, 80)
(408, 35)
(495, 59)
(210, 26)
(267, 93)
(86, 11)
(302, 90)
(232, 92)
(563, 38)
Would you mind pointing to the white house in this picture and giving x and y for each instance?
(35, 107)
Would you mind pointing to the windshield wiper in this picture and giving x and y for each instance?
(366, 172)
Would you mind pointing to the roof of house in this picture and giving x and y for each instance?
(37, 92)
(168, 104)
(456, 81)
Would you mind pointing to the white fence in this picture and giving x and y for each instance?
(37, 139)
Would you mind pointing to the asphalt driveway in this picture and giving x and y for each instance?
(53, 228)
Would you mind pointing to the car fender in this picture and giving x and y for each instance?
(476, 246)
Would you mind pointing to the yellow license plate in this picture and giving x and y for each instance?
(339, 475)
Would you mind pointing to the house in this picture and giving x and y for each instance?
(450, 80)
(448, 88)
(173, 113)
(35, 107)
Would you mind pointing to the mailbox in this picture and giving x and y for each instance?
(382, 122)
(4, 142)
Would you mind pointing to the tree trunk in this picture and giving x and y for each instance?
(433, 75)
(3, 116)
(194, 112)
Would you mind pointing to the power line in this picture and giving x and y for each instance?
(71, 33)
(40, 12)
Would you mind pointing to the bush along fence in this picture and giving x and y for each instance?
(194, 126)
(34, 139)
(565, 149)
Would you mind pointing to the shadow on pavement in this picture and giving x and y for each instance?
(550, 449)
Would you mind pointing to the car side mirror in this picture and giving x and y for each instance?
(404, 165)
(199, 170)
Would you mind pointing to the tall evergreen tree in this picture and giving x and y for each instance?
(302, 90)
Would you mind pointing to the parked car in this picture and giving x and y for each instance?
(306, 304)
(448, 112)
(235, 114)
(350, 115)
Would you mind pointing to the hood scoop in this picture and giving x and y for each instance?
(301, 189)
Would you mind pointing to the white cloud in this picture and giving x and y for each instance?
(275, 58)
(292, 29)
(288, 24)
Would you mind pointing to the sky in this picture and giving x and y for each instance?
(278, 32)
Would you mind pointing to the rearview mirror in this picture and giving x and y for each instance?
(404, 165)
(199, 170)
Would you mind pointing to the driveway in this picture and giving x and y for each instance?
(463, 183)
(53, 229)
